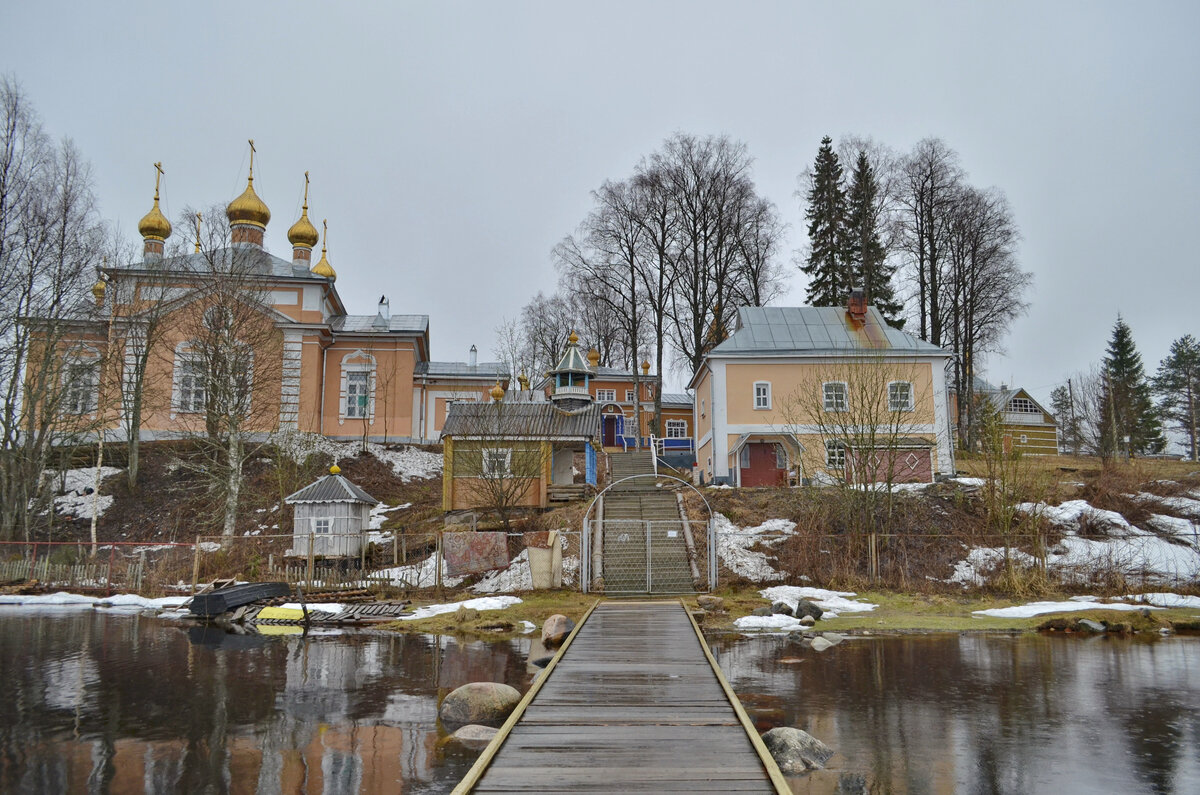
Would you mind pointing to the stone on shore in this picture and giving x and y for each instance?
(796, 751)
(484, 703)
(556, 629)
(807, 608)
(713, 604)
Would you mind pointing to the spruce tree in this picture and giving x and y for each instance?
(1126, 411)
(865, 252)
(1177, 384)
(827, 269)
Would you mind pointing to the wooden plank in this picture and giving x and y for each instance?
(637, 705)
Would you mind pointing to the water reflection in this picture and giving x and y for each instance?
(126, 704)
(982, 713)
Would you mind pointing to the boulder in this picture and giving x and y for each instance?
(474, 735)
(833, 638)
(808, 621)
(1088, 625)
(556, 629)
(543, 661)
(782, 609)
(807, 608)
(796, 751)
(761, 611)
(485, 703)
(820, 644)
(713, 604)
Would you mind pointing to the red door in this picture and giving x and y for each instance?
(763, 470)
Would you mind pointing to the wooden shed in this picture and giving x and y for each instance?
(333, 515)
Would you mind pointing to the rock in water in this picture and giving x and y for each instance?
(796, 751)
(485, 703)
(1087, 625)
(556, 629)
(807, 608)
(713, 604)
(820, 644)
(833, 638)
(475, 736)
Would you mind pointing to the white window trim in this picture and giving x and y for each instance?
(367, 364)
(1027, 406)
(629, 395)
(318, 522)
(81, 356)
(606, 396)
(825, 402)
(492, 454)
(767, 385)
(833, 463)
(891, 405)
(676, 425)
(183, 356)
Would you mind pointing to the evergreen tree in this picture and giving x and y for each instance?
(1126, 411)
(866, 255)
(1177, 384)
(828, 271)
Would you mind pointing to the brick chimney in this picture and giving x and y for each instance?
(856, 307)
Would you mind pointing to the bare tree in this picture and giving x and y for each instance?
(546, 322)
(50, 245)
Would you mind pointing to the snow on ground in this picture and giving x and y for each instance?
(62, 598)
(418, 575)
(406, 462)
(1070, 512)
(832, 602)
(75, 487)
(1185, 506)
(982, 561)
(969, 481)
(377, 513)
(515, 578)
(1040, 608)
(481, 603)
(734, 547)
(1165, 599)
(325, 607)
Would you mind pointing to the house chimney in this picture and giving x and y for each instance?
(857, 306)
(383, 320)
(473, 356)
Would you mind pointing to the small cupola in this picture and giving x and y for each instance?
(323, 268)
(248, 215)
(571, 377)
(303, 236)
(154, 226)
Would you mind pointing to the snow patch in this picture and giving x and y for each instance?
(734, 547)
(418, 575)
(1165, 599)
(75, 487)
(407, 463)
(62, 598)
(1041, 608)
(481, 603)
(377, 513)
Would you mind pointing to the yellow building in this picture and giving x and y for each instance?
(1026, 425)
(813, 393)
(314, 366)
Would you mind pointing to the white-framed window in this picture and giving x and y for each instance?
(606, 395)
(744, 457)
(900, 396)
(322, 526)
(497, 462)
(1021, 405)
(357, 400)
(358, 394)
(676, 429)
(191, 381)
(80, 380)
(835, 395)
(762, 395)
(1024, 438)
(835, 454)
(629, 394)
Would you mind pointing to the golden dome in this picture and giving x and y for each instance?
(98, 291)
(154, 225)
(523, 381)
(323, 268)
(335, 470)
(497, 392)
(248, 208)
(303, 233)
(573, 339)
(594, 358)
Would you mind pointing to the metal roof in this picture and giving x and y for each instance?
(331, 488)
(817, 330)
(514, 420)
(572, 361)
(250, 259)
(677, 399)
(365, 324)
(488, 370)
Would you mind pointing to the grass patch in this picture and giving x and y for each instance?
(535, 607)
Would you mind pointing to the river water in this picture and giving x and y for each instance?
(94, 702)
(982, 713)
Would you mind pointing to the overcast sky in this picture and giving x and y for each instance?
(451, 145)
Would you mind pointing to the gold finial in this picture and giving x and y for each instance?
(497, 392)
(335, 470)
(154, 225)
(197, 233)
(100, 286)
(523, 381)
(323, 268)
(573, 339)
(594, 358)
(645, 367)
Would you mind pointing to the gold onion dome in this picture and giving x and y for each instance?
(248, 208)
(303, 233)
(573, 339)
(154, 224)
(98, 291)
(323, 268)
(497, 392)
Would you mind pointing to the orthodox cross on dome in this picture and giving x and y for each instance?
(251, 158)
(197, 233)
(158, 172)
(305, 190)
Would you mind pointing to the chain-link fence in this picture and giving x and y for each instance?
(630, 556)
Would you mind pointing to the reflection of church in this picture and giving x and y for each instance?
(339, 374)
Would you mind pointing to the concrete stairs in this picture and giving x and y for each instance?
(633, 563)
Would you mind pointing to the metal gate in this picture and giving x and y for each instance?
(632, 556)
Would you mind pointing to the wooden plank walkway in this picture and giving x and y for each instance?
(633, 703)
